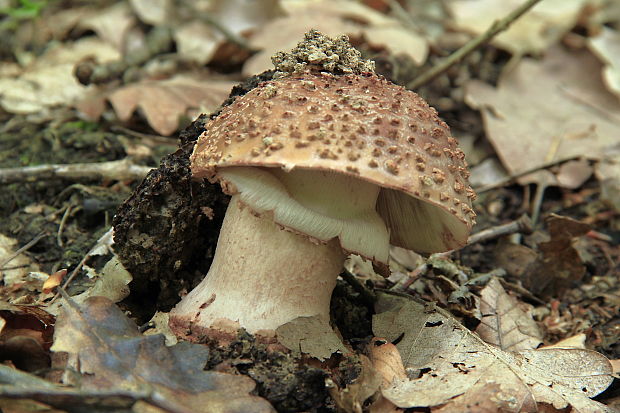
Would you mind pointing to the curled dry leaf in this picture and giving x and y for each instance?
(163, 102)
(106, 349)
(25, 336)
(352, 398)
(607, 47)
(504, 323)
(53, 281)
(547, 111)
(386, 360)
(541, 27)
(451, 361)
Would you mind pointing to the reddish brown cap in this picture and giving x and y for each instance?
(361, 126)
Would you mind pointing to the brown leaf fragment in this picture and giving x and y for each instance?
(164, 102)
(25, 336)
(310, 335)
(109, 353)
(386, 359)
(352, 397)
(547, 111)
(606, 46)
(573, 174)
(559, 265)
(504, 323)
(447, 361)
(532, 33)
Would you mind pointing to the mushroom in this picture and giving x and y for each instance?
(320, 165)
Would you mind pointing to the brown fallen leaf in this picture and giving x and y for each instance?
(559, 264)
(451, 361)
(111, 24)
(332, 18)
(53, 281)
(25, 336)
(310, 335)
(539, 28)
(608, 174)
(352, 397)
(504, 323)
(163, 102)
(107, 351)
(607, 47)
(386, 360)
(548, 111)
(49, 80)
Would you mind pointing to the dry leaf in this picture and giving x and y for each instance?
(49, 81)
(576, 341)
(352, 398)
(546, 111)
(540, 27)
(197, 41)
(504, 323)
(607, 47)
(154, 12)
(25, 336)
(53, 281)
(559, 264)
(111, 24)
(608, 173)
(386, 360)
(310, 335)
(573, 174)
(109, 353)
(451, 361)
(22, 263)
(332, 18)
(163, 102)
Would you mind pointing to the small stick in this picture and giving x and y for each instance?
(113, 170)
(523, 224)
(497, 27)
(61, 226)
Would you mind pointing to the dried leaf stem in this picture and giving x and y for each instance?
(497, 27)
(115, 170)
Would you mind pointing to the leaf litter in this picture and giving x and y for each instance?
(508, 377)
(108, 352)
(445, 360)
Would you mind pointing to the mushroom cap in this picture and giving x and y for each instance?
(360, 125)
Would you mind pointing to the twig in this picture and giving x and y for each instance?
(89, 254)
(510, 178)
(497, 27)
(25, 248)
(113, 170)
(523, 224)
(367, 296)
(537, 202)
(61, 226)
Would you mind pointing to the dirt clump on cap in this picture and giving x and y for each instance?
(331, 55)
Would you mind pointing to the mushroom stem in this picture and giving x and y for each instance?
(261, 276)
